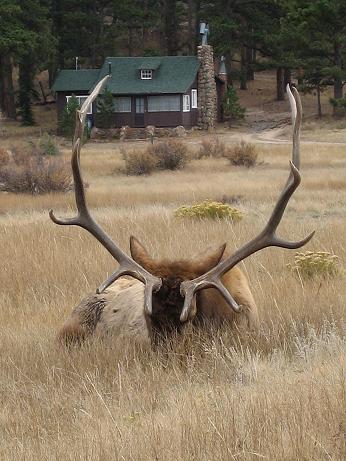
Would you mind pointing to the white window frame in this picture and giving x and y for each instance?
(78, 96)
(194, 100)
(146, 74)
(186, 103)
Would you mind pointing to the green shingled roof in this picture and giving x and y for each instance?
(76, 80)
(172, 74)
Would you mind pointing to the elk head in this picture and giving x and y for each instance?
(170, 288)
(168, 301)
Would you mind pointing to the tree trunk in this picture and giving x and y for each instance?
(25, 80)
(250, 59)
(319, 106)
(300, 75)
(287, 77)
(338, 87)
(171, 27)
(280, 84)
(243, 70)
(191, 29)
(130, 39)
(6, 87)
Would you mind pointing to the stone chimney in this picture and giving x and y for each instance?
(207, 98)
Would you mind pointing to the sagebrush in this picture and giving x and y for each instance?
(28, 171)
(138, 162)
(243, 154)
(213, 148)
(164, 155)
(170, 154)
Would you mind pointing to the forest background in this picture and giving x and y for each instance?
(303, 38)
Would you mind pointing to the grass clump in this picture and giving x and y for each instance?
(29, 171)
(209, 209)
(4, 157)
(310, 264)
(170, 154)
(243, 154)
(212, 148)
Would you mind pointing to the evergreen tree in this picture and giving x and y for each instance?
(26, 91)
(105, 109)
(316, 30)
(13, 39)
(67, 123)
(231, 106)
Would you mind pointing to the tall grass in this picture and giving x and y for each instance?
(210, 394)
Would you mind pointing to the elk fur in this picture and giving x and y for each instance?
(120, 308)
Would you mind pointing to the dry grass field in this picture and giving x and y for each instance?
(210, 395)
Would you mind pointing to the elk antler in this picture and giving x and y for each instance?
(266, 238)
(127, 266)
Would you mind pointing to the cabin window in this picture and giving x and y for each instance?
(167, 103)
(194, 99)
(186, 103)
(122, 104)
(80, 100)
(146, 74)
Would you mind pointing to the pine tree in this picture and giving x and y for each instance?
(67, 123)
(316, 30)
(231, 106)
(26, 91)
(105, 109)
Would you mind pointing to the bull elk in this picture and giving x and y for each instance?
(160, 296)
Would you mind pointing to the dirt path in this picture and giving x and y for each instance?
(265, 128)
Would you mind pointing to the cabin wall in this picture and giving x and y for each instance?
(158, 119)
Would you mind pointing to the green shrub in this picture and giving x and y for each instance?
(243, 154)
(213, 148)
(339, 105)
(231, 106)
(209, 209)
(170, 154)
(104, 115)
(67, 122)
(139, 163)
(310, 264)
(48, 146)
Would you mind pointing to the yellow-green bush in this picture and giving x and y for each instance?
(310, 264)
(209, 209)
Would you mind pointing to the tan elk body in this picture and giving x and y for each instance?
(120, 308)
(161, 296)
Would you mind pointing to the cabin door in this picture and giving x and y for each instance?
(139, 114)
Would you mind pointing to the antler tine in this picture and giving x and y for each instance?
(265, 239)
(83, 218)
(296, 111)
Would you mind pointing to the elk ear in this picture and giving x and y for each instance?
(210, 261)
(140, 254)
